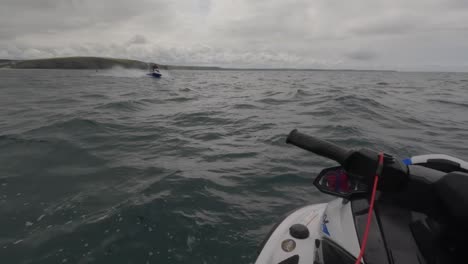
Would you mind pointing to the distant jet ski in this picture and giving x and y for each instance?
(154, 71)
(155, 74)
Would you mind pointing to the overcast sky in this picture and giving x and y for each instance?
(373, 34)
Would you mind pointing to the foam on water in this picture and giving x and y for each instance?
(121, 72)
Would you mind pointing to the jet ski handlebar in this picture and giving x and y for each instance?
(359, 164)
(318, 146)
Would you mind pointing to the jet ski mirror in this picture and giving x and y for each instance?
(335, 181)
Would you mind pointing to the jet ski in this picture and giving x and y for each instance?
(155, 74)
(387, 211)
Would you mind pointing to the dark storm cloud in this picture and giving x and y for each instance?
(267, 33)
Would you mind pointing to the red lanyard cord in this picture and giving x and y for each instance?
(371, 208)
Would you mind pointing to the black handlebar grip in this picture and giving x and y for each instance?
(318, 146)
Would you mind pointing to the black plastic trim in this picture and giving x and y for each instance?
(291, 260)
(338, 254)
(376, 251)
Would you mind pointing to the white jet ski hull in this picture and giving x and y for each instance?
(333, 221)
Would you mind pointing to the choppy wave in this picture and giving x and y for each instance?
(128, 105)
(450, 102)
(114, 167)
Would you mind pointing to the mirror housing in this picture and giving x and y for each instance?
(336, 181)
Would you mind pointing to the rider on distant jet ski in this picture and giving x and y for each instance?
(154, 68)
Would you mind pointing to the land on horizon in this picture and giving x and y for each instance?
(95, 63)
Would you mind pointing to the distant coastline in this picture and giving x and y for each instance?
(98, 63)
(91, 63)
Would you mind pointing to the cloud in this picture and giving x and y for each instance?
(266, 33)
(48, 17)
(137, 39)
(387, 26)
(362, 55)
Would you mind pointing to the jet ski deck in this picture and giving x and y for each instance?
(300, 234)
